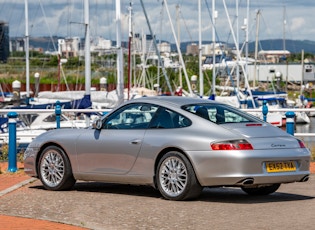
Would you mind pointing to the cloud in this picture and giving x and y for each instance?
(65, 18)
(297, 24)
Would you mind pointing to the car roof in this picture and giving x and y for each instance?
(174, 100)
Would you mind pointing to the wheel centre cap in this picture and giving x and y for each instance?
(173, 176)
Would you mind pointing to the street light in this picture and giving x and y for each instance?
(103, 84)
(36, 75)
(193, 80)
(278, 78)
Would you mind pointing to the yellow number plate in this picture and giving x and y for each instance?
(286, 166)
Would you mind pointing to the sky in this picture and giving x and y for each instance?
(290, 19)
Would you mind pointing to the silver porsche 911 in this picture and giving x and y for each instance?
(176, 144)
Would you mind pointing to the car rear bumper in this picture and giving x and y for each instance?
(235, 168)
(251, 180)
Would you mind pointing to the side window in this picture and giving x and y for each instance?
(231, 117)
(219, 114)
(180, 121)
(168, 119)
(133, 116)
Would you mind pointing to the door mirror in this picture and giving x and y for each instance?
(98, 123)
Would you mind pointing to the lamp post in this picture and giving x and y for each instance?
(16, 86)
(193, 80)
(36, 75)
(103, 84)
(278, 78)
(61, 61)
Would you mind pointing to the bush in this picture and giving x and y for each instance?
(4, 153)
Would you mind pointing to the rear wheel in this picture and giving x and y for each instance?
(176, 179)
(55, 170)
(260, 191)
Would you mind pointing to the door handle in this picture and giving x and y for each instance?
(135, 141)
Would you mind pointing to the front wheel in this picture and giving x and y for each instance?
(260, 191)
(55, 170)
(176, 179)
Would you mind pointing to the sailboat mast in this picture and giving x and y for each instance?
(247, 39)
(120, 71)
(156, 49)
(201, 88)
(284, 48)
(87, 49)
(129, 48)
(214, 16)
(284, 24)
(178, 48)
(178, 36)
(237, 43)
(238, 51)
(256, 46)
(27, 56)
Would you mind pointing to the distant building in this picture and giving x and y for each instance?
(219, 49)
(4, 41)
(144, 44)
(17, 44)
(102, 43)
(69, 47)
(101, 46)
(164, 47)
(148, 44)
(207, 49)
(136, 43)
(192, 49)
(273, 56)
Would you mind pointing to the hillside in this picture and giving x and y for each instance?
(294, 46)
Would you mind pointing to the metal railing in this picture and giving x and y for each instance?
(285, 110)
(12, 135)
(67, 111)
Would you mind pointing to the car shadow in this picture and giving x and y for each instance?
(236, 195)
(218, 195)
(122, 189)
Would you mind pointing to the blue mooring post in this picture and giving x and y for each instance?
(265, 110)
(12, 167)
(290, 122)
(58, 113)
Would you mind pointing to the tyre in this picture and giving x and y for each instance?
(260, 191)
(176, 179)
(54, 169)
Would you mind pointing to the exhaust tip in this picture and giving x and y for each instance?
(247, 181)
(304, 179)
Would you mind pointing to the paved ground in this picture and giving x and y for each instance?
(136, 203)
(12, 181)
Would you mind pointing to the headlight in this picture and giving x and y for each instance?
(30, 152)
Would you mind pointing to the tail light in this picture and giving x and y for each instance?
(232, 145)
(301, 143)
